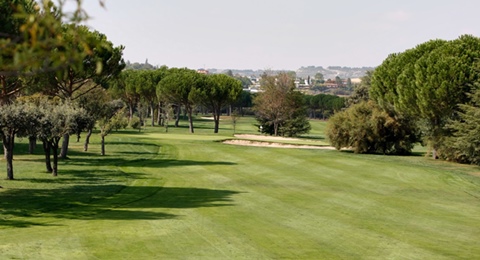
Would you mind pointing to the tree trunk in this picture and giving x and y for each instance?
(159, 114)
(55, 157)
(87, 140)
(216, 119)
(130, 112)
(32, 144)
(8, 144)
(47, 149)
(103, 146)
(177, 118)
(152, 107)
(64, 151)
(190, 119)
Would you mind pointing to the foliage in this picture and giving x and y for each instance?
(59, 119)
(279, 109)
(243, 102)
(34, 41)
(360, 92)
(429, 82)
(16, 120)
(100, 62)
(10, 26)
(180, 87)
(367, 128)
(324, 103)
(219, 91)
(136, 123)
(464, 143)
(110, 119)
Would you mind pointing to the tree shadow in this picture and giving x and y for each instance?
(95, 202)
(142, 162)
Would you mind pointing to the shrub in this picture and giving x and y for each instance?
(367, 128)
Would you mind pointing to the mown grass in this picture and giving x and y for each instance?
(159, 195)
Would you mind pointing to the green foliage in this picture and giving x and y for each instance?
(218, 91)
(429, 82)
(360, 92)
(464, 143)
(325, 104)
(16, 120)
(279, 109)
(367, 128)
(136, 123)
(35, 42)
(180, 87)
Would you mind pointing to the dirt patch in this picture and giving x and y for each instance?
(275, 145)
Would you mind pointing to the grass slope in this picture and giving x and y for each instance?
(175, 195)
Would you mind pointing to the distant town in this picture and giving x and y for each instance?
(335, 80)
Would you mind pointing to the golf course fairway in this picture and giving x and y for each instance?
(175, 195)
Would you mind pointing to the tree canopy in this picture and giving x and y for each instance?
(429, 82)
(219, 91)
(280, 109)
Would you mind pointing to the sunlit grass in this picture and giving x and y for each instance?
(175, 195)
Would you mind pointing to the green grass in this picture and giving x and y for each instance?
(159, 195)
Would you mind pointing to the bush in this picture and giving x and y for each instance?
(367, 128)
(136, 123)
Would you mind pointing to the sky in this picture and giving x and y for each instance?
(277, 34)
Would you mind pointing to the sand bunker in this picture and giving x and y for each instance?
(264, 141)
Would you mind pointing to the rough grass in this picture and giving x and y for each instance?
(159, 195)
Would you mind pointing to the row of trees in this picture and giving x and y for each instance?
(163, 91)
(45, 52)
(431, 95)
(323, 105)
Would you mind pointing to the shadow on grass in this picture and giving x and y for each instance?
(147, 162)
(94, 202)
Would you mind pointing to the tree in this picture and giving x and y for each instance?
(319, 79)
(243, 101)
(110, 118)
(93, 103)
(279, 105)
(367, 128)
(339, 81)
(10, 31)
(147, 88)
(360, 92)
(125, 87)
(15, 120)
(179, 87)
(219, 91)
(429, 82)
(463, 145)
(31, 32)
(100, 63)
(58, 119)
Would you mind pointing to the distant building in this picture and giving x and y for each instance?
(203, 71)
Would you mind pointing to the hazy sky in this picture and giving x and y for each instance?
(277, 34)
